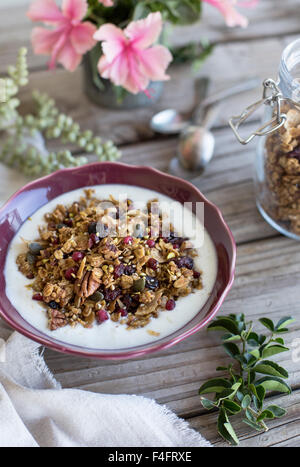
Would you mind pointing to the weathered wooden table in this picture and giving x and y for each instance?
(268, 273)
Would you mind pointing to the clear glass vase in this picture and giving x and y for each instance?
(277, 164)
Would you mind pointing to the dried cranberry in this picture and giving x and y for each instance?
(170, 305)
(68, 222)
(54, 240)
(151, 243)
(102, 316)
(151, 283)
(70, 273)
(185, 262)
(77, 256)
(38, 297)
(152, 264)
(123, 312)
(54, 305)
(30, 276)
(196, 274)
(111, 295)
(129, 270)
(93, 240)
(119, 270)
(128, 240)
(92, 228)
(295, 154)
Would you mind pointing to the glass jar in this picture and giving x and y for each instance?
(277, 165)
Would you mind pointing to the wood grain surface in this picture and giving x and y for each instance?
(268, 273)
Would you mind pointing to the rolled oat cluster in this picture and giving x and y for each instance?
(104, 259)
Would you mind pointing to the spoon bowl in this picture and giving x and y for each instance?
(196, 148)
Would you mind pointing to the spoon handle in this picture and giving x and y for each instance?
(234, 90)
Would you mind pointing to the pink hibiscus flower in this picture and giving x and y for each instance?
(128, 59)
(107, 2)
(227, 8)
(69, 39)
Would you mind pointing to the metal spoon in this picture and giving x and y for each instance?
(171, 122)
(197, 143)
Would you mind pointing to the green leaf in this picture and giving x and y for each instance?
(231, 349)
(268, 323)
(250, 416)
(232, 407)
(207, 404)
(265, 414)
(277, 411)
(246, 401)
(283, 322)
(215, 385)
(253, 339)
(261, 393)
(225, 428)
(266, 367)
(231, 338)
(272, 383)
(271, 350)
(222, 368)
(223, 324)
(253, 425)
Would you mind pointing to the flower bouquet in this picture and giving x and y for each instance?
(120, 39)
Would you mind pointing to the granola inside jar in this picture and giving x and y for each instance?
(277, 164)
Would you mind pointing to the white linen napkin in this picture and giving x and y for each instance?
(36, 411)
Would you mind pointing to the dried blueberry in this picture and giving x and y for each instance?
(54, 305)
(131, 303)
(129, 270)
(92, 228)
(60, 226)
(151, 283)
(185, 262)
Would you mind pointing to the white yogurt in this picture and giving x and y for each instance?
(109, 335)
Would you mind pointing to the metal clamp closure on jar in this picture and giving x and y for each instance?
(274, 100)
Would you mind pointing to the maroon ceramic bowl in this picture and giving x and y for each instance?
(34, 195)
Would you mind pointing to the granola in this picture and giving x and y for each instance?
(104, 259)
(281, 199)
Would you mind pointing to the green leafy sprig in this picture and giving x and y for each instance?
(252, 374)
(17, 148)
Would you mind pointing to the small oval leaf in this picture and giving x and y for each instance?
(215, 385)
(272, 383)
(266, 367)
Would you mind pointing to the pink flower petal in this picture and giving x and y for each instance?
(154, 62)
(145, 31)
(113, 39)
(68, 57)
(43, 40)
(227, 8)
(82, 37)
(46, 11)
(75, 10)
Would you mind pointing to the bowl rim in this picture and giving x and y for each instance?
(133, 352)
